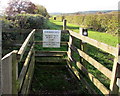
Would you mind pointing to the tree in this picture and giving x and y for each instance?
(41, 10)
(20, 6)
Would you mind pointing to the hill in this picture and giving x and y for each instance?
(85, 12)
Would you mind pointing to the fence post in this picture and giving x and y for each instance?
(64, 24)
(114, 89)
(70, 51)
(83, 45)
(62, 18)
(14, 72)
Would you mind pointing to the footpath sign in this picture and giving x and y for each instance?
(51, 38)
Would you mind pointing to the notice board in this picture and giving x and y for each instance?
(51, 38)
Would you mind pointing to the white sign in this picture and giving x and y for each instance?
(51, 38)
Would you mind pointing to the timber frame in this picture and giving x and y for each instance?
(15, 82)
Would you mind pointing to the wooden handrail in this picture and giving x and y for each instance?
(102, 46)
(24, 45)
(24, 69)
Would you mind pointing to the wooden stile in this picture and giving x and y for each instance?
(14, 84)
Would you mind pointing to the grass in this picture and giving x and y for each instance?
(101, 36)
(55, 79)
(104, 37)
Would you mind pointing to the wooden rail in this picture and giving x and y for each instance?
(93, 62)
(102, 46)
(25, 66)
(24, 46)
(112, 75)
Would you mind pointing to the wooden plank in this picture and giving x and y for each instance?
(102, 46)
(24, 45)
(50, 60)
(50, 53)
(40, 43)
(7, 74)
(72, 59)
(32, 72)
(95, 81)
(14, 72)
(98, 84)
(28, 78)
(93, 62)
(24, 69)
(70, 52)
(82, 79)
(113, 87)
(91, 90)
(118, 59)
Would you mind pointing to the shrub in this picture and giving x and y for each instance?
(98, 22)
(27, 21)
(6, 23)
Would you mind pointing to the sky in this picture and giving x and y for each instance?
(70, 6)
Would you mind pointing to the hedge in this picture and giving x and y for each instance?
(98, 22)
(26, 21)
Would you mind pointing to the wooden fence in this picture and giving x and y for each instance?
(15, 81)
(114, 75)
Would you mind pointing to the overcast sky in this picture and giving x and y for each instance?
(69, 6)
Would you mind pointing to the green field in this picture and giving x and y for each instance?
(99, 36)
